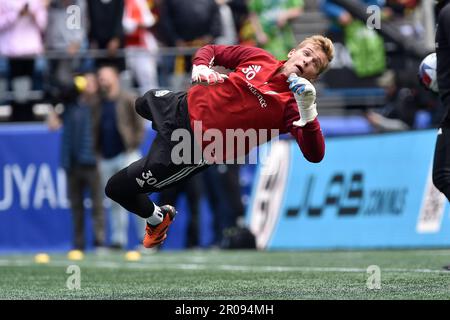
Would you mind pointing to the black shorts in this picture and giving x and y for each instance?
(166, 109)
(160, 169)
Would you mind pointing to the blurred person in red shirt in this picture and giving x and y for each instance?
(140, 43)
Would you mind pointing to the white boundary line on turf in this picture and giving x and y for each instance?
(223, 267)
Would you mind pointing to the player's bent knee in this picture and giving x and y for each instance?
(111, 190)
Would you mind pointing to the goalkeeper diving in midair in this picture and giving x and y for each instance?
(260, 93)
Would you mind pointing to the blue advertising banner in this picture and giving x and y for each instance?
(34, 209)
(368, 192)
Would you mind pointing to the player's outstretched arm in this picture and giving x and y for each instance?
(310, 140)
(202, 74)
(300, 119)
(229, 57)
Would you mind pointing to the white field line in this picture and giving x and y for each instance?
(200, 267)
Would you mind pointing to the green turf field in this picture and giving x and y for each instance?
(409, 274)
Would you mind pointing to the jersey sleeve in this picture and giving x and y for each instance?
(309, 138)
(229, 57)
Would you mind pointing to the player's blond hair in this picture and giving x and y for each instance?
(322, 43)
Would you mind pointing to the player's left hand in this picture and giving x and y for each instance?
(201, 74)
(305, 96)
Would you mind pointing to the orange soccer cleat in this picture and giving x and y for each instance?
(155, 235)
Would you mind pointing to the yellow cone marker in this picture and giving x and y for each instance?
(75, 255)
(42, 258)
(133, 256)
(80, 83)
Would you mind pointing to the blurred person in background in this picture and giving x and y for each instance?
(408, 105)
(65, 38)
(187, 24)
(239, 8)
(340, 18)
(355, 45)
(118, 133)
(223, 190)
(203, 27)
(22, 24)
(271, 20)
(192, 188)
(224, 196)
(441, 166)
(140, 43)
(78, 156)
(106, 30)
(229, 34)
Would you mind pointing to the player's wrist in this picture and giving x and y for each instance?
(305, 102)
(307, 115)
(310, 113)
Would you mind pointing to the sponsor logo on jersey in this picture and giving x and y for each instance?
(258, 95)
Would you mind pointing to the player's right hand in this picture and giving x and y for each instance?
(201, 74)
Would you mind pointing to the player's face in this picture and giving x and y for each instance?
(92, 85)
(305, 62)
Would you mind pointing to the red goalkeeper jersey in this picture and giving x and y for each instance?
(255, 96)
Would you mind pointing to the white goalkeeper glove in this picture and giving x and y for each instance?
(203, 75)
(305, 95)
